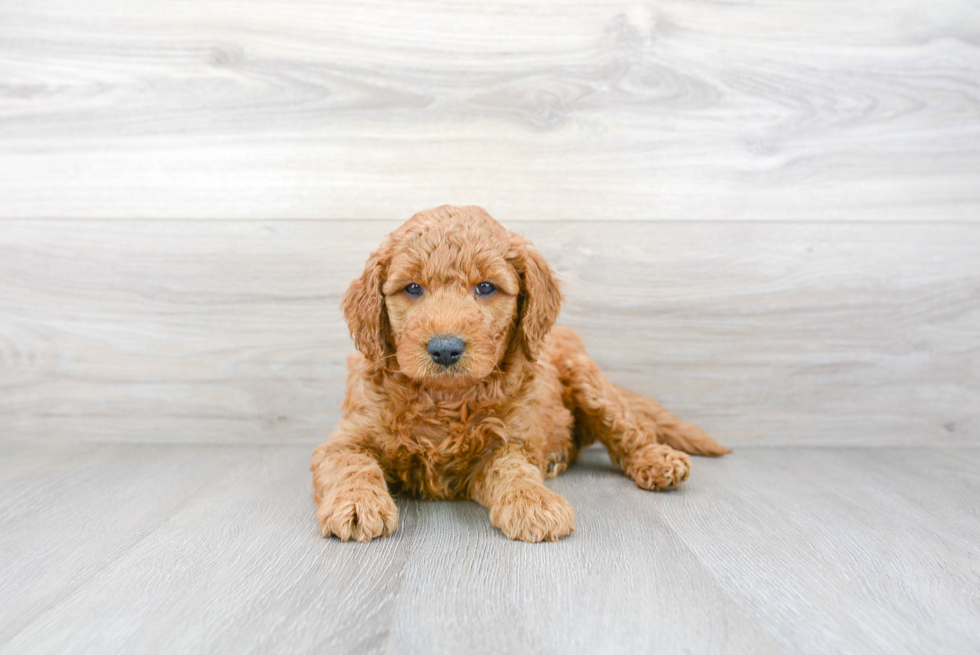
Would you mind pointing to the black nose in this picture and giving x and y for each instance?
(445, 351)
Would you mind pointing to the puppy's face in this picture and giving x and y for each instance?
(452, 308)
(447, 296)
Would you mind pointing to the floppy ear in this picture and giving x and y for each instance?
(364, 309)
(539, 300)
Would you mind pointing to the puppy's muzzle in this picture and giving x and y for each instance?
(445, 351)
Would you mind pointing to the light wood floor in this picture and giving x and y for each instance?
(192, 548)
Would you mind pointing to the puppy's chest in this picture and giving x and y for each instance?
(435, 451)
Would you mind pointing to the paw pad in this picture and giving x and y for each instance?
(557, 463)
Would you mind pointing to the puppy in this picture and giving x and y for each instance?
(463, 389)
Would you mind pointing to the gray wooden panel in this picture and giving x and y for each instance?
(215, 549)
(686, 109)
(623, 582)
(68, 511)
(237, 559)
(876, 547)
(230, 332)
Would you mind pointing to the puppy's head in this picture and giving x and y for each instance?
(449, 296)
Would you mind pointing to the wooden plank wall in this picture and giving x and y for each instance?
(767, 214)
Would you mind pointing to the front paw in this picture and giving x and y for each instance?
(360, 514)
(533, 514)
(657, 467)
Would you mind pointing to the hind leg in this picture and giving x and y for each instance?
(670, 429)
(603, 413)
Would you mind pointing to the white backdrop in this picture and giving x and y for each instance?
(765, 215)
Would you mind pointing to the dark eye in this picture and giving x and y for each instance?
(413, 290)
(485, 289)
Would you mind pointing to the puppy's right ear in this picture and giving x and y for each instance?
(540, 298)
(364, 309)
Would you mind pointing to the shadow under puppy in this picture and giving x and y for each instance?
(462, 389)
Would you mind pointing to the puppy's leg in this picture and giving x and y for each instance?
(349, 489)
(520, 505)
(603, 412)
(670, 429)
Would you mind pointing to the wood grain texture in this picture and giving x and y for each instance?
(155, 548)
(869, 545)
(230, 332)
(538, 110)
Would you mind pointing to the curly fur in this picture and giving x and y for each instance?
(517, 408)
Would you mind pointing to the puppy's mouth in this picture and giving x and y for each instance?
(443, 362)
(455, 375)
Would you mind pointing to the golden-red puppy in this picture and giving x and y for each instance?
(462, 389)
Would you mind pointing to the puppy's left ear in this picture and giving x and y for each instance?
(540, 298)
(365, 311)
